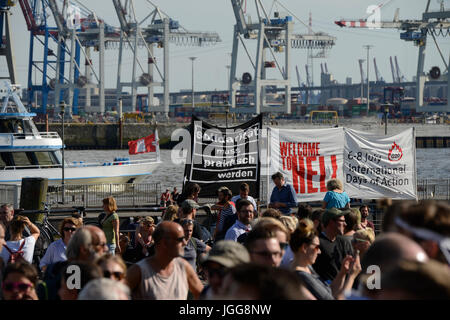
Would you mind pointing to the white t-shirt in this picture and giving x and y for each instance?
(28, 249)
(249, 198)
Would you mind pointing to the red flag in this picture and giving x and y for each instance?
(143, 145)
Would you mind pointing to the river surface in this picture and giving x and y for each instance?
(431, 164)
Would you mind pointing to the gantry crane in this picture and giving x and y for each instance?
(6, 46)
(274, 35)
(432, 24)
(74, 30)
(160, 31)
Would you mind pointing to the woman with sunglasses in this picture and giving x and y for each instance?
(56, 251)
(113, 267)
(19, 281)
(305, 245)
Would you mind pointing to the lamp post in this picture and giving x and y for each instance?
(368, 47)
(192, 59)
(386, 111)
(62, 106)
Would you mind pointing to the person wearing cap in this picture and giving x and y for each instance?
(188, 210)
(283, 195)
(224, 255)
(333, 246)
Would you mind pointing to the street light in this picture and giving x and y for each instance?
(62, 106)
(192, 59)
(386, 111)
(368, 47)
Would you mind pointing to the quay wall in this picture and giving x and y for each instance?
(107, 135)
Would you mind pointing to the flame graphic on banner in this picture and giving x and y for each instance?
(395, 153)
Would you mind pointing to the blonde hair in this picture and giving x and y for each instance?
(304, 233)
(109, 257)
(146, 219)
(271, 224)
(171, 213)
(289, 222)
(366, 234)
(334, 184)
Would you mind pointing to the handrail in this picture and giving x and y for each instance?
(46, 135)
(84, 164)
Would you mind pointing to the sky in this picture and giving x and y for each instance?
(210, 72)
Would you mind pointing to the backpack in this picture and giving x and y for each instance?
(16, 255)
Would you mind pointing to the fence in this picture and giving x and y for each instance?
(10, 194)
(91, 195)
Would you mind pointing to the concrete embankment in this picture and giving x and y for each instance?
(107, 135)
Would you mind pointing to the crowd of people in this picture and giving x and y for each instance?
(285, 251)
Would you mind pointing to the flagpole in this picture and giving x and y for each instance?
(268, 165)
(158, 156)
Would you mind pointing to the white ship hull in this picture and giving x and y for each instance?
(84, 174)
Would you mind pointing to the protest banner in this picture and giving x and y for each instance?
(380, 166)
(224, 157)
(369, 166)
(307, 159)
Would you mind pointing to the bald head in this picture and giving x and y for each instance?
(164, 229)
(98, 239)
(169, 240)
(390, 248)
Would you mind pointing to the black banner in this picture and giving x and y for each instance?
(224, 157)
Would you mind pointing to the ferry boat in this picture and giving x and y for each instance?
(26, 152)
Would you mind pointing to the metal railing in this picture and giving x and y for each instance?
(91, 195)
(9, 194)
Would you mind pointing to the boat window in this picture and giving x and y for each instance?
(44, 158)
(7, 126)
(6, 159)
(21, 159)
(56, 157)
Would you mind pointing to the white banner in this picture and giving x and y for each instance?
(369, 166)
(307, 159)
(380, 166)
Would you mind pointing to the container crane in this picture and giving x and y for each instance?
(361, 70)
(161, 30)
(394, 77)
(416, 31)
(377, 72)
(274, 35)
(6, 45)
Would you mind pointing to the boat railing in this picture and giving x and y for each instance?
(42, 135)
(76, 164)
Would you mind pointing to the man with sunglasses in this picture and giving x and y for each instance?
(165, 275)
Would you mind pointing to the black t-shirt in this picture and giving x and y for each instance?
(328, 262)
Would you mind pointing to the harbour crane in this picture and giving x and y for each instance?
(274, 35)
(159, 32)
(377, 72)
(361, 70)
(394, 77)
(60, 31)
(6, 45)
(416, 31)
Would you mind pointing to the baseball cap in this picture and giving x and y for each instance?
(333, 213)
(228, 253)
(189, 205)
